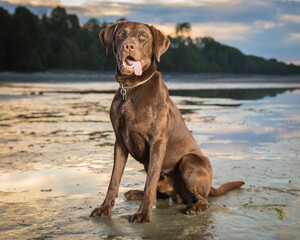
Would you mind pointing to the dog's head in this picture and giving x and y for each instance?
(134, 45)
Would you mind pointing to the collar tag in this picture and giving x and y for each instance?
(123, 92)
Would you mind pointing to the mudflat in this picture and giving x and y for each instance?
(56, 153)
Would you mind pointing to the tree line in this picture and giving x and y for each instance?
(58, 41)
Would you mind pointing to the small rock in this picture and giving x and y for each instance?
(46, 190)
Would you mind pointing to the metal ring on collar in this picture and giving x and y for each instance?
(123, 91)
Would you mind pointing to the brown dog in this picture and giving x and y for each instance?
(149, 127)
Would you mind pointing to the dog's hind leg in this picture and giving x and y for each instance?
(199, 192)
(197, 180)
(199, 206)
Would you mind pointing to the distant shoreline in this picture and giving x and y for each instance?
(94, 76)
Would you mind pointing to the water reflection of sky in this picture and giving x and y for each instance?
(21, 187)
(246, 124)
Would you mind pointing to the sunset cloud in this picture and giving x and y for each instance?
(218, 30)
(223, 31)
(105, 9)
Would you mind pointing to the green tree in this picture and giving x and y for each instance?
(26, 42)
(5, 26)
(183, 29)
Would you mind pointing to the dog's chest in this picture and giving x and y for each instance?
(135, 123)
(139, 118)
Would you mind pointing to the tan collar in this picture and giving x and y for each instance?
(123, 88)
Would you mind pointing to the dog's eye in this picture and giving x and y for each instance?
(143, 36)
(122, 34)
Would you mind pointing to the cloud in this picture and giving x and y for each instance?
(105, 9)
(290, 18)
(222, 31)
(292, 37)
(83, 8)
(193, 2)
(34, 2)
(72, 2)
(162, 11)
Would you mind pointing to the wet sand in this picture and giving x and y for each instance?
(56, 148)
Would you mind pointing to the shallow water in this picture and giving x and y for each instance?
(56, 147)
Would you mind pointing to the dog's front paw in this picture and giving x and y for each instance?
(134, 195)
(140, 217)
(104, 210)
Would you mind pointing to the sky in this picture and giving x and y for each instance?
(266, 28)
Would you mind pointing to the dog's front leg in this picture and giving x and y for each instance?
(120, 159)
(157, 153)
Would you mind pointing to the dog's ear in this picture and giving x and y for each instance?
(160, 41)
(107, 36)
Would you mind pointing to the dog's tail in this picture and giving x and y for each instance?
(214, 192)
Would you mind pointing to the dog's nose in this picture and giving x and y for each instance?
(129, 46)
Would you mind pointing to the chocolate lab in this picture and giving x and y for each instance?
(149, 127)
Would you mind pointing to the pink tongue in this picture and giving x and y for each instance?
(137, 68)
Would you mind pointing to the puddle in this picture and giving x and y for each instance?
(45, 183)
(56, 156)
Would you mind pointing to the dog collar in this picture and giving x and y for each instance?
(123, 90)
